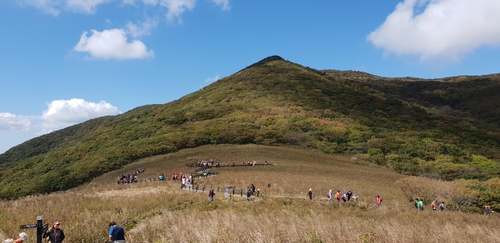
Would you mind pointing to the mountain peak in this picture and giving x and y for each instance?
(266, 60)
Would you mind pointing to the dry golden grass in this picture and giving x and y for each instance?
(161, 212)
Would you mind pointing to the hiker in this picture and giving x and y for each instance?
(116, 233)
(355, 198)
(349, 195)
(249, 193)
(433, 205)
(441, 206)
(183, 182)
(379, 201)
(21, 238)
(416, 203)
(421, 204)
(487, 210)
(55, 234)
(211, 194)
(310, 194)
(329, 195)
(344, 196)
(337, 195)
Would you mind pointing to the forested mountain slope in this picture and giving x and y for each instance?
(272, 102)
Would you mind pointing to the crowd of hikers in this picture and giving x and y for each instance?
(347, 196)
(129, 178)
(419, 204)
(211, 163)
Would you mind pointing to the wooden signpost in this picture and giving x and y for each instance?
(40, 228)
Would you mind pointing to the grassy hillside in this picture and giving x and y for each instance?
(271, 102)
(159, 212)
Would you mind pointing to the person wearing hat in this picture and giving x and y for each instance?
(22, 238)
(310, 193)
(55, 234)
(116, 233)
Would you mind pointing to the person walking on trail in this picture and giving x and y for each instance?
(379, 201)
(55, 234)
(416, 203)
(433, 205)
(116, 233)
(441, 206)
(421, 204)
(329, 195)
(355, 197)
(344, 196)
(20, 239)
(337, 195)
(249, 193)
(310, 194)
(211, 195)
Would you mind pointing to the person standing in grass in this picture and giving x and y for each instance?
(310, 194)
(421, 204)
(22, 238)
(433, 205)
(441, 206)
(337, 195)
(116, 233)
(211, 195)
(249, 193)
(416, 203)
(55, 234)
(355, 198)
(379, 201)
(487, 210)
(329, 195)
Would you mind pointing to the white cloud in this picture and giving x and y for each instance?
(11, 122)
(443, 30)
(112, 44)
(211, 80)
(176, 8)
(84, 6)
(63, 113)
(54, 7)
(224, 3)
(141, 29)
(47, 6)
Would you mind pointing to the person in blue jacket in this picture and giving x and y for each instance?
(116, 233)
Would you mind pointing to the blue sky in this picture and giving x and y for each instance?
(63, 62)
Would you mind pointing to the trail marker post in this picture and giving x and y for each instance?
(40, 228)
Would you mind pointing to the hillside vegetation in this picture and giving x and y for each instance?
(416, 127)
(159, 212)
